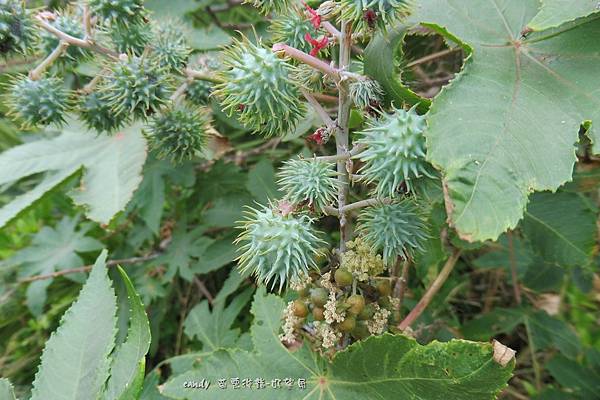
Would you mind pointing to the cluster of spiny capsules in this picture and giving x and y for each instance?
(351, 303)
(140, 64)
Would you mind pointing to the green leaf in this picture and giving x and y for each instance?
(380, 64)
(584, 382)
(262, 182)
(52, 249)
(561, 227)
(213, 328)
(75, 361)
(382, 367)
(183, 251)
(112, 169)
(556, 12)
(128, 361)
(499, 255)
(227, 211)
(507, 124)
(218, 254)
(6, 390)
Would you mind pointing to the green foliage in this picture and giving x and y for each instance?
(460, 368)
(396, 229)
(38, 102)
(556, 12)
(112, 170)
(77, 358)
(395, 151)
(310, 181)
(6, 390)
(178, 133)
(486, 156)
(256, 86)
(277, 247)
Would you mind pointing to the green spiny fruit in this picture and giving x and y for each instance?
(368, 14)
(71, 26)
(277, 247)
(269, 6)
(17, 30)
(38, 102)
(132, 38)
(395, 151)
(309, 78)
(309, 180)
(98, 115)
(396, 229)
(170, 47)
(119, 12)
(178, 133)
(291, 29)
(198, 92)
(257, 86)
(136, 86)
(364, 91)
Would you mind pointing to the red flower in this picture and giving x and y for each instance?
(315, 18)
(318, 137)
(317, 45)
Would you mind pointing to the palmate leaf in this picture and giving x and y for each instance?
(561, 227)
(128, 361)
(52, 249)
(508, 124)
(381, 367)
(78, 362)
(213, 327)
(6, 390)
(556, 12)
(112, 168)
(75, 362)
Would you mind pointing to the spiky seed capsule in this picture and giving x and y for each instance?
(395, 151)
(17, 30)
(343, 277)
(257, 86)
(364, 91)
(198, 92)
(309, 78)
(269, 6)
(356, 303)
(367, 312)
(178, 133)
(97, 114)
(277, 247)
(38, 102)
(300, 309)
(367, 15)
(308, 180)
(170, 48)
(397, 229)
(71, 26)
(318, 296)
(119, 12)
(132, 38)
(291, 28)
(136, 86)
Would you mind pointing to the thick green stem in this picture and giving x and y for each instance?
(342, 134)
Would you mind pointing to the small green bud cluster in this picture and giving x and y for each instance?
(368, 15)
(337, 304)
